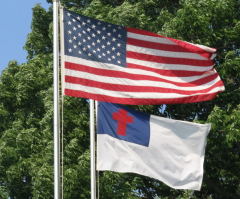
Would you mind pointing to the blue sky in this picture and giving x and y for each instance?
(15, 23)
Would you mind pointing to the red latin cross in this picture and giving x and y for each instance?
(122, 120)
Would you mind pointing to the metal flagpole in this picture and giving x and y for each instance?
(56, 123)
(92, 150)
(96, 172)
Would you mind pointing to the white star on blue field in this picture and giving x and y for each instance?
(98, 40)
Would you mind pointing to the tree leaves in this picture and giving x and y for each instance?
(38, 41)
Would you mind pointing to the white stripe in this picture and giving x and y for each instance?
(136, 95)
(150, 51)
(205, 48)
(213, 56)
(150, 38)
(169, 66)
(129, 82)
(107, 66)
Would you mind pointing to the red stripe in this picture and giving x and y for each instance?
(169, 60)
(170, 73)
(190, 47)
(143, 32)
(133, 101)
(118, 74)
(193, 48)
(127, 88)
(157, 46)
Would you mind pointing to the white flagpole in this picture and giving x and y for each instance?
(96, 172)
(92, 150)
(56, 123)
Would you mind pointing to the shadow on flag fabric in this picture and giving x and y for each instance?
(117, 64)
(168, 150)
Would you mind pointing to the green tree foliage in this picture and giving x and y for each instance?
(26, 104)
(39, 40)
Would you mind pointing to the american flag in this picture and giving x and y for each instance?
(116, 64)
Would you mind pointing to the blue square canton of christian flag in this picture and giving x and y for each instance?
(123, 123)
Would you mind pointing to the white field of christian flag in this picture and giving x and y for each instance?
(168, 150)
(112, 63)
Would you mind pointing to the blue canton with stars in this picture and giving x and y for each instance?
(94, 40)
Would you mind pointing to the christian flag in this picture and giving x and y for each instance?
(112, 63)
(169, 150)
